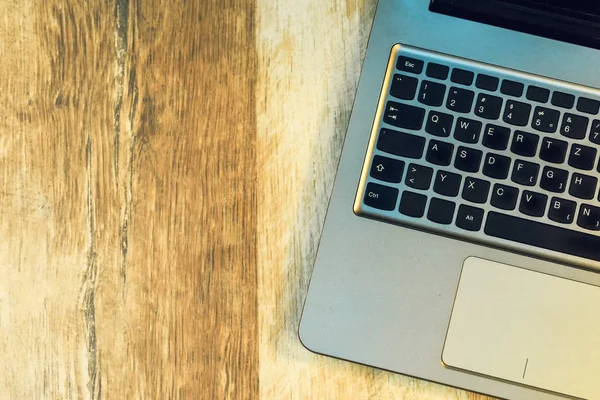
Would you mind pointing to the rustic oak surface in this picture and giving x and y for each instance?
(165, 171)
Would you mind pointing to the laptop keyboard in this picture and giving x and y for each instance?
(485, 154)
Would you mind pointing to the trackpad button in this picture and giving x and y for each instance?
(526, 327)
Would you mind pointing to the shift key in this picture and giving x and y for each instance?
(381, 197)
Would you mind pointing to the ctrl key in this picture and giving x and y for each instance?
(381, 197)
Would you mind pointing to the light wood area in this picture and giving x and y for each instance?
(165, 172)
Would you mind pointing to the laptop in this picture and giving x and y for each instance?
(462, 239)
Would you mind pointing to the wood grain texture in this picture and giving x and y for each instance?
(310, 54)
(128, 195)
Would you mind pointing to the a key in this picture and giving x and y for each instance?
(504, 197)
(512, 88)
(469, 218)
(403, 115)
(439, 153)
(467, 159)
(404, 87)
(441, 211)
(563, 100)
(488, 107)
(538, 94)
(413, 204)
(589, 218)
(409, 64)
(432, 94)
(516, 113)
(496, 166)
(549, 237)
(561, 210)
(401, 144)
(476, 190)
(553, 150)
(533, 204)
(574, 126)
(588, 106)
(496, 137)
(583, 186)
(467, 130)
(380, 197)
(582, 157)
(418, 177)
(439, 124)
(554, 179)
(545, 120)
(524, 144)
(487, 82)
(447, 183)
(595, 132)
(461, 76)
(460, 100)
(525, 173)
(437, 71)
(387, 169)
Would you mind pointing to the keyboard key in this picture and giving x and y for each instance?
(574, 126)
(476, 190)
(437, 71)
(413, 204)
(583, 186)
(401, 144)
(525, 173)
(404, 87)
(533, 204)
(403, 116)
(387, 169)
(595, 132)
(512, 88)
(588, 106)
(447, 183)
(516, 113)
(439, 153)
(418, 177)
(467, 159)
(504, 197)
(554, 179)
(460, 100)
(524, 144)
(469, 218)
(432, 94)
(488, 106)
(467, 130)
(546, 236)
(381, 197)
(589, 218)
(439, 124)
(487, 82)
(582, 157)
(496, 166)
(545, 120)
(496, 137)
(538, 94)
(461, 76)
(409, 64)
(441, 211)
(553, 150)
(563, 100)
(561, 210)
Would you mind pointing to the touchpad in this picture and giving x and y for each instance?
(526, 327)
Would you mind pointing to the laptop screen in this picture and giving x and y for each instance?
(573, 21)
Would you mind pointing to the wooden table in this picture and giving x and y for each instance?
(165, 171)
